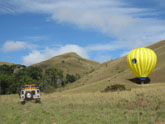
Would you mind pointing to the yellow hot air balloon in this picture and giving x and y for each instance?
(142, 61)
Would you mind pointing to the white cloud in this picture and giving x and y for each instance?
(102, 47)
(41, 55)
(33, 57)
(38, 56)
(124, 53)
(73, 48)
(10, 46)
(103, 58)
(132, 27)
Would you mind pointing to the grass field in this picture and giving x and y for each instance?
(83, 102)
(142, 105)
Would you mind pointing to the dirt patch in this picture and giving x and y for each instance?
(23, 122)
(140, 103)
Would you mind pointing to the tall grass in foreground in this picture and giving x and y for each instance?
(144, 105)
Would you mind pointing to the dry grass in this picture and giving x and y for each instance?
(118, 71)
(142, 105)
(70, 63)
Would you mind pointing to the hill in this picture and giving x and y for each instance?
(7, 63)
(117, 71)
(70, 63)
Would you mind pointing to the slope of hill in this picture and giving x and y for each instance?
(70, 63)
(117, 71)
(158, 73)
(7, 63)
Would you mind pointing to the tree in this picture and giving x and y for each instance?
(53, 77)
(6, 69)
(12, 77)
(6, 82)
(34, 72)
(70, 78)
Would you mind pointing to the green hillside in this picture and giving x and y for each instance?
(70, 63)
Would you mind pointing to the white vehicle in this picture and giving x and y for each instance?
(29, 92)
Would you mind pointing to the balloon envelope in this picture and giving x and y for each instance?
(141, 62)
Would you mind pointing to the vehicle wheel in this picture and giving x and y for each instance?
(23, 102)
(28, 96)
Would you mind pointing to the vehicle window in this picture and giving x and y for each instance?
(38, 91)
(22, 92)
(33, 92)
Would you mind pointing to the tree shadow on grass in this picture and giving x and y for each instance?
(138, 81)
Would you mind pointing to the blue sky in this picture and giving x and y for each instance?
(36, 30)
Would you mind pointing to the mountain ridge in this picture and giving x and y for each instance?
(70, 63)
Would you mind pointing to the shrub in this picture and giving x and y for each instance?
(115, 87)
(70, 78)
